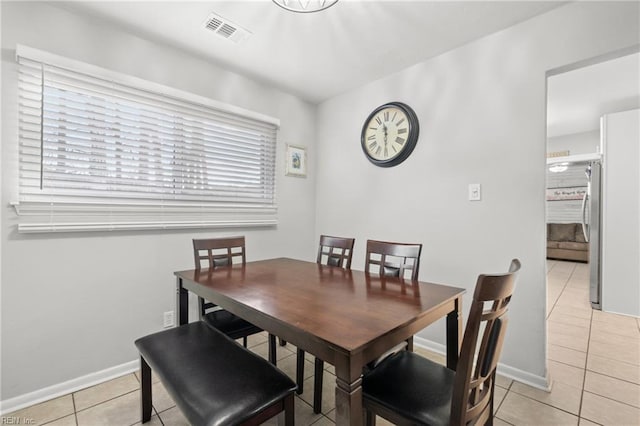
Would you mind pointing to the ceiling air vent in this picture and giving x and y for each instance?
(226, 29)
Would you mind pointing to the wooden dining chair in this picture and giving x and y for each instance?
(393, 259)
(221, 252)
(407, 388)
(332, 251)
(390, 259)
(335, 251)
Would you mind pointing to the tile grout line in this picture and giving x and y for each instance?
(508, 389)
(588, 341)
(616, 378)
(586, 369)
(503, 420)
(75, 410)
(599, 372)
(611, 399)
(555, 302)
(109, 400)
(549, 405)
(586, 358)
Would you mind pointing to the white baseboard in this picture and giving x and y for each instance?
(513, 373)
(48, 393)
(538, 382)
(429, 345)
(64, 388)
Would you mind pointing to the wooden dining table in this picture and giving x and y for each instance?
(346, 318)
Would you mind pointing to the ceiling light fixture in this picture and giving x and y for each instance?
(559, 168)
(305, 6)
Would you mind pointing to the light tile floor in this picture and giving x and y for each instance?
(594, 361)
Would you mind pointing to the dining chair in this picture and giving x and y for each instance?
(335, 251)
(220, 252)
(332, 251)
(407, 388)
(390, 259)
(393, 259)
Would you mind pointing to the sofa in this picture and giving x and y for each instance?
(565, 241)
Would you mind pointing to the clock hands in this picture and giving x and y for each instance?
(386, 132)
(389, 134)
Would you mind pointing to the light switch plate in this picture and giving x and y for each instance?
(474, 192)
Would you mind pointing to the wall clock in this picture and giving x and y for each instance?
(389, 134)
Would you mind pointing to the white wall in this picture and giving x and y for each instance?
(68, 311)
(621, 213)
(482, 112)
(576, 143)
(1, 213)
(73, 304)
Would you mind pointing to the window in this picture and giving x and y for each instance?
(99, 150)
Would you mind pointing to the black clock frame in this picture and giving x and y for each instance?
(412, 138)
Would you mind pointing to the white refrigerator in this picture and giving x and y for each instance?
(592, 226)
(618, 289)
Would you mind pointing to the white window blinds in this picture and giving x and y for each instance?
(98, 153)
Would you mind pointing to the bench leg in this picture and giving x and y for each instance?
(145, 390)
(300, 370)
(283, 411)
(272, 349)
(317, 385)
(289, 410)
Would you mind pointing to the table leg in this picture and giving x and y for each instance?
(182, 303)
(454, 334)
(349, 392)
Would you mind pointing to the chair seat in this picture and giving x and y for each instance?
(230, 324)
(416, 388)
(213, 380)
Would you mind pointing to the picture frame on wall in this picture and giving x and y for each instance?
(296, 161)
(570, 193)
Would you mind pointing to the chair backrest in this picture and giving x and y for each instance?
(214, 252)
(392, 259)
(335, 251)
(481, 347)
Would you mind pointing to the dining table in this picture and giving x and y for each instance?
(346, 318)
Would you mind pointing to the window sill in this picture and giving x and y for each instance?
(47, 217)
(34, 228)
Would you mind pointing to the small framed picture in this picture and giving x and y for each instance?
(296, 161)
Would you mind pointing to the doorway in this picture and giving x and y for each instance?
(578, 96)
(583, 344)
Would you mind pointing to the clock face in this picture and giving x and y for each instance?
(389, 134)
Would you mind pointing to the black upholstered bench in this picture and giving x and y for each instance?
(212, 379)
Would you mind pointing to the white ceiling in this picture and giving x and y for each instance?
(318, 55)
(577, 99)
